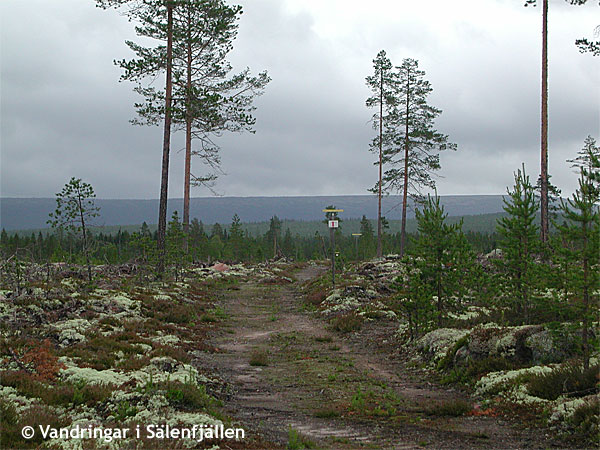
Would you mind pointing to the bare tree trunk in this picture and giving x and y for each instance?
(85, 246)
(405, 187)
(379, 247)
(586, 300)
(188, 140)
(164, 185)
(544, 139)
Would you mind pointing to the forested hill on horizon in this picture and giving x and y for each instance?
(27, 213)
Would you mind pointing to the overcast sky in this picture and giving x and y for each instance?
(64, 113)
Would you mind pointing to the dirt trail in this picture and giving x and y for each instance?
(337, 391)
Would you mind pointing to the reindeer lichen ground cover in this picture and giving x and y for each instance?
(271, 348)
(121, 351)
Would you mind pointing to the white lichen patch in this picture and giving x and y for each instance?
(565, 408)
(93, 376)
(69, 283)
(498, 381)
(342, 305)
(518, 394)
(21, 403)
(125, 302)
(165, 339)
(438, 342)
(472, 312)
(72, 330)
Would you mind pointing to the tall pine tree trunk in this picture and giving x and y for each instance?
(544, 138)
(405, 187)
(379, 246)
(188, 138)
(586, 298)
(164, 185)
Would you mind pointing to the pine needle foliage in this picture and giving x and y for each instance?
(520, 270)
(443, 259)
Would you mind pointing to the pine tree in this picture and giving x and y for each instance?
(236, 237)
(580, 249)
(156, 22)
(274, 234)
(287, 246)
(366, 241)
(544, 199)
(587, 164)
(74, 209)
(587, 46)
(443, 256)
(197, 239)
(414, 143)
(382, 84)
(174, 240)
(207, 100)
(520, 245)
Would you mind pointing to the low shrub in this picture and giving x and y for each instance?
(169, 311)
(298, 442)
(188, 395)
(35, 416)
(317, 296)
(124, 410)
(453, 408)
(571, 379)
(476, 368)
(60, 394)
(259, 358)
(327, 413)
(348, 322)
(172, 352)
(214, 315)
(585, 423)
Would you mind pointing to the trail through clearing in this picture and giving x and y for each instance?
(337, 390)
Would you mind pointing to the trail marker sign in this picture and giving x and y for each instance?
(333, 224)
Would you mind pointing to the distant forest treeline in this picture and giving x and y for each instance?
(481, 223)
(230, 242)
(32, 213)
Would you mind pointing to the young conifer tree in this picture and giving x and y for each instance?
(580, 253)
(75, 208)
(443, 256)
(174, 241)
(520, 245)
(236, 238)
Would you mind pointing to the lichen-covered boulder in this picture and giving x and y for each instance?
(512, 344)
(482, 341)
(436, 343)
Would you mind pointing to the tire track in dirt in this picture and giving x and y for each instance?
(270, 399)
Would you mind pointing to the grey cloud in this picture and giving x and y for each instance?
(65, 114)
